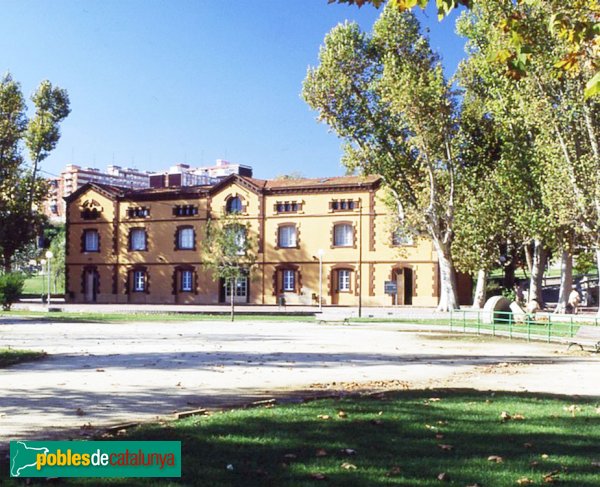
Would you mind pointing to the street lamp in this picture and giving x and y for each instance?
(49, 256)
(320, 253)
(43, 264)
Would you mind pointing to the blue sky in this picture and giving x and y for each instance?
(157, 82)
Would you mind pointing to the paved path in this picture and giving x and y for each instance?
(103, 374)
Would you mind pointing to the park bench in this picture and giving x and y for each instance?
(586, 335)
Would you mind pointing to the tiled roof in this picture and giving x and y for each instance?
(274, 184)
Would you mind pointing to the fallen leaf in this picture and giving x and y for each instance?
(544, 456)
(434, 399)
(446, 447)
(524, 481)
(551, 477)
(342, 414)
(573, 408)
(504, 416)
(518, 417)
(320, 453)
(318, 476)
(495, 458)
(229, 467)
(324, 416)
(348, 466)
(348, 451)
(443, 477)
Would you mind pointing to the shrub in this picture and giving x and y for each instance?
(11, 287)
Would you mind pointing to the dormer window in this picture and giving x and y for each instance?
(234, 205)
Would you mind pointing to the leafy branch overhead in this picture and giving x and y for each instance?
(575, 23)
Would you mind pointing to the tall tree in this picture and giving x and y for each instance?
(386, 96)
(21, 188)
(561, 129)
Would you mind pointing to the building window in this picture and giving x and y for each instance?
(91, 241)
(185, 210)
(138, 212)
(234, 205)
(187, 279)
(344, 280)
(240, 288)
(289, 280)
(287, 236)
(137, 239)
(238, 232)
(401, 237)
(343, 205)
(139, 281)
(90, 214)
(287, 207)
(343, 235)
(185, 239)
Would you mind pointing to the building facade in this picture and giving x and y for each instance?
(145, 246)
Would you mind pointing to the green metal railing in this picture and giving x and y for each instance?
(539, 326)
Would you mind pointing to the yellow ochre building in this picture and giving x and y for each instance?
(144, 246)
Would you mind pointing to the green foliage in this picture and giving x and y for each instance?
(584, 263)
(21, 188)
(229, 250)
(11, 287)
(574, 22)
(58, 249)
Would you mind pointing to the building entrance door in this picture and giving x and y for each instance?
(91, 279)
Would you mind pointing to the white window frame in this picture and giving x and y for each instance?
(230, 208)
(343, 239)
(288, 278)
(240, 287)
(344, 276)
(401, 237)
(139, 281)
(185, 239)
(187, 280)
(138, 239)
(287, 237)
(91, 241)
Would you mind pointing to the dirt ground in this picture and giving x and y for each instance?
(102, 374)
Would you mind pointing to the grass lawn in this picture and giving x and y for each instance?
(401, 438)
(38, 285)
(10, 356)
(90, 317)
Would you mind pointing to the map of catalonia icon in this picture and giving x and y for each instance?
(23, 457)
